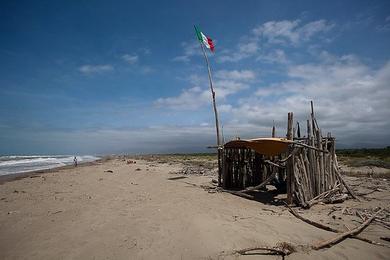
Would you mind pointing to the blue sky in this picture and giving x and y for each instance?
(101, 77)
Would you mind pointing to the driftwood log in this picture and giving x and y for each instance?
(345, 184)
(331, 229)
(342, 236)
(270, 178)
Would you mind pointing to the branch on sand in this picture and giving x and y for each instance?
(327, 228)
(270, 178)
(345, 184)
(239, 193)
(282, 249)
(342, 236)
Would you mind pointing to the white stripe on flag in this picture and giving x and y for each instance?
(205, 41)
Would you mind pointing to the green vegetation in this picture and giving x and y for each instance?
(379, 157)
(378, 152)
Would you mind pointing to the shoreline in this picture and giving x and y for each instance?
(36, 173)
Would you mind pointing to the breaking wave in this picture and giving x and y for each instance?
(16, 164)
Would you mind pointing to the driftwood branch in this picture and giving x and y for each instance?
(240, 194)
(345, 184)
(313, 223)
(386, 238)
(285, 159)
(282, 248)
(274, 164)
(342, 236)
(327, 228)
(270, 178)
(310, 147)
(274, 250)
(377, 219)
(320, 197)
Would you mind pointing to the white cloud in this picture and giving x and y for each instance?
(274, 56)
(351, 100)
(278, 31)
(316, 27)
(91, 69)
(291, 32)
(246, 48)
(145, 51)
(385, 27)
(191, 98)
(131, 59)
(226, 83)
(269, 34)
(157, 139)
(236, 75)
(190, 49)
(225, 108)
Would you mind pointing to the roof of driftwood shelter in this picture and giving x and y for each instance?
(266, 146)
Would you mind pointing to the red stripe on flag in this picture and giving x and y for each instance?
(210, 42)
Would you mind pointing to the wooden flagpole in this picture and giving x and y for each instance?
(215, 113)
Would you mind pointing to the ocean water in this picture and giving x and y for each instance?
(17, 164)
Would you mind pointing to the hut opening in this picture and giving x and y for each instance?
(305, 167)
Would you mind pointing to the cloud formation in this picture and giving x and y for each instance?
(189, 49)
(92, 69)
(227, 82)
(131, 59)
(285, 33)
(291, 32)
(351, 99)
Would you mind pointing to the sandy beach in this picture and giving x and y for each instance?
(145, 210)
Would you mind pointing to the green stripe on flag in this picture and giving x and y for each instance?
(198, 34)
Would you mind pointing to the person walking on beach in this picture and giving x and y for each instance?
(75, 161)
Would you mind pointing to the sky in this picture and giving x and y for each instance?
(105, 77)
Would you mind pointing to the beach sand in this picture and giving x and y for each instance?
(144, 211)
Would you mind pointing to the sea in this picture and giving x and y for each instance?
(26, 163)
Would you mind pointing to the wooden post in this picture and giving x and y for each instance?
(313, 125)
(224, 168)
(215, 112)
(290, 162)
(289, 134)
(273, 130)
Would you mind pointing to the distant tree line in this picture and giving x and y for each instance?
(364, 152)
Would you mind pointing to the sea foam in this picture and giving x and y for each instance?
(17, 164)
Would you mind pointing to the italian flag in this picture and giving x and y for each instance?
(208, 42)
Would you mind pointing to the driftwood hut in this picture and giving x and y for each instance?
(305, 167)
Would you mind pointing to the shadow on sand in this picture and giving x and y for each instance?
(268, 197)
